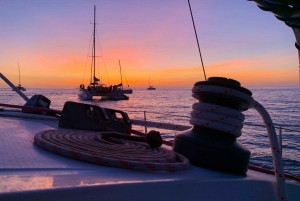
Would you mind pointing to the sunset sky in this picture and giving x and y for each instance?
(152, 39)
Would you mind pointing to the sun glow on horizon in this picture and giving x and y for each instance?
(72, 75)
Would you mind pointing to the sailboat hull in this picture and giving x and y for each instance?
(151, 88)
(114, 95)
(127, 91)
(84, 95)
(118, 96)
(21, 88)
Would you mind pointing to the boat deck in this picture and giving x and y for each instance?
(30, 173)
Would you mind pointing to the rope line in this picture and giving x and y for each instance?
(276, 151)
(99, 45)
(125, 78)
(87, 56)
(92, 147)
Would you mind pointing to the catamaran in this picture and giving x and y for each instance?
(151, 87)
(95, 88)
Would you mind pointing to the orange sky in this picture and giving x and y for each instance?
(72, 73)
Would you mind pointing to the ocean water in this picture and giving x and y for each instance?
(173, 105)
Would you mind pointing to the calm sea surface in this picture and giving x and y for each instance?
(174, 106)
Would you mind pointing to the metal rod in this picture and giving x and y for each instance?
(13, 87)
(197, 39)
(160, 125)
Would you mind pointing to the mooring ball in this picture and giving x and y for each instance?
(154, 139)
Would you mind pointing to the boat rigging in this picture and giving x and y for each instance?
(95, 88)
(19, 86)
(128, 90)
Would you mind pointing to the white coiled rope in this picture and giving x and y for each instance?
(218, 118)
(231, 121)
(90, 146)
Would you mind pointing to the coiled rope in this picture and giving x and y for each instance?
(230, 121)
(100, 148)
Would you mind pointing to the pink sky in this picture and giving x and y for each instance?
(153, 39)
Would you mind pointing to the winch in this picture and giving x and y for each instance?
(217, 122)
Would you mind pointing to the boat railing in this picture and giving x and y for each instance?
(168, 130)
(167, 123)
(279, 128)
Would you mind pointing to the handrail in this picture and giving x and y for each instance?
(137, 111)
(249, 124)
(279, 127)
(59, 112)
(251, 167)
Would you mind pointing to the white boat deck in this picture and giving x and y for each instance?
(30, 173)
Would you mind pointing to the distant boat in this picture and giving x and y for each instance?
(125, 91)
(151, 87)
(95, 88)
(20, 86)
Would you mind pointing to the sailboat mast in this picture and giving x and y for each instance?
(121, 73)
(19, 75)
(94, 46)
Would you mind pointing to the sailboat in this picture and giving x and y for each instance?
(150, 87)
(95, 88)
(19, 86)
(128, 90)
